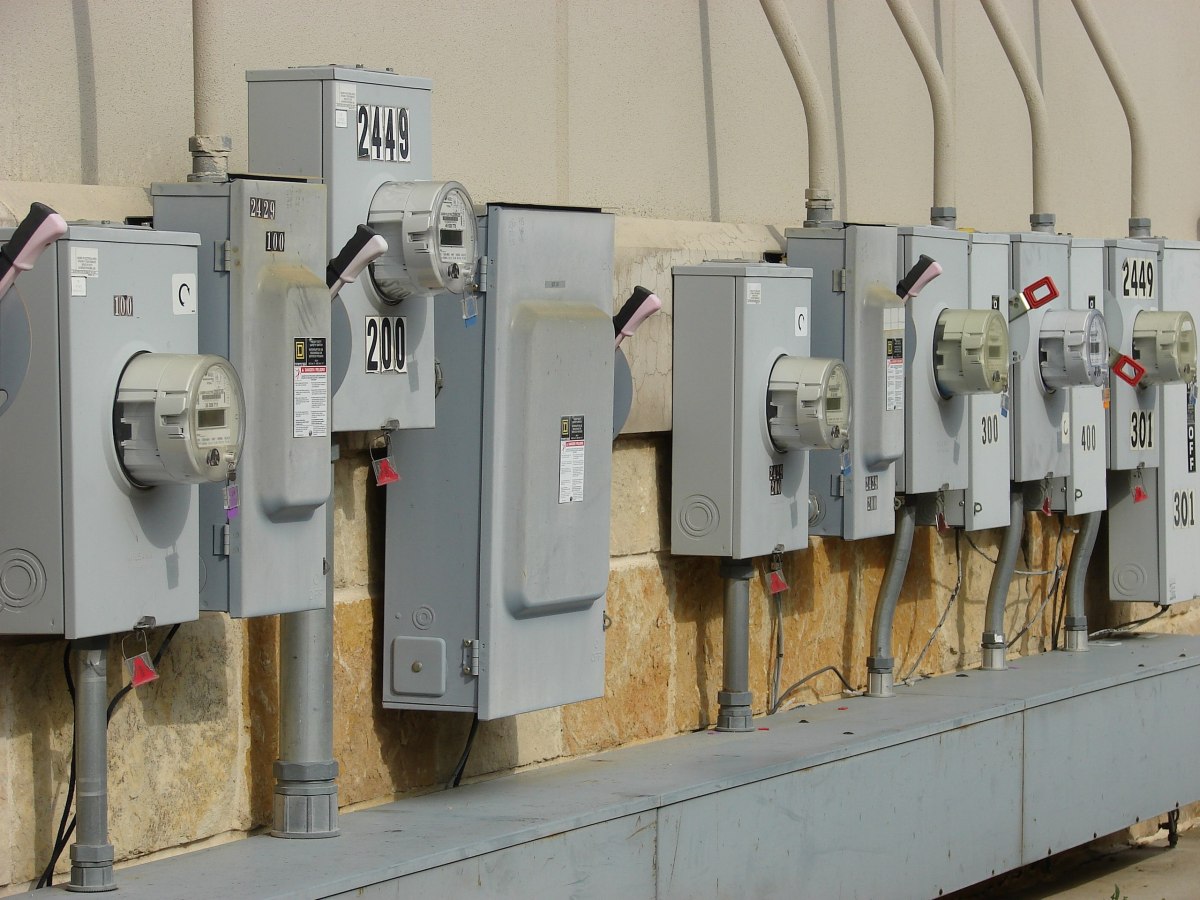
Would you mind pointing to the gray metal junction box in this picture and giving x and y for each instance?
(857, 317)
(498, 529)
(82, 551)
(356, 130)
(264, 307)
(733, 493)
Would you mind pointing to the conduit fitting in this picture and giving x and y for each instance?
(820, 207)
(1077, 634)
(734, 698)
(994, 647)
(1139, 228)
(943, 216)
(1042, 222)
(306, 800)
(881, 677)
(210, 157)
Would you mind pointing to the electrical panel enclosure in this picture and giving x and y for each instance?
(263, 307)
(82, 551)
(733, 493)
(984, 503)
(356, 130)
(498, 529)
(857, 317)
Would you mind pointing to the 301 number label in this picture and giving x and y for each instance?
(991, 428)
(385, 344)
(1137, 278)
(1141, 429)
(1087, 437)
(1185, 509)
(383, 133)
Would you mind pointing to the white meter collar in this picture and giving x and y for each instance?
(1164, 344)
(971, 352)
(431, 234)
(1073, 349)
(178, 418)
(808, 404)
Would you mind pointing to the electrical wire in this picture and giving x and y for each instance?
(60, 842)
(945, 612)
(1028, 573)
(456, 778)
(809, 677)
(1125, 629)
(777, 674)
(1052, 591)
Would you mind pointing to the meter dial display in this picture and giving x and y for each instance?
(1073, 349)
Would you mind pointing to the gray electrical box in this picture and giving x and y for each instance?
(82, 551)
(984, 502)
(1153, 543)
(498, 529)
(1084, 488)
(857, 317)
(356, 130)
(264, 307)
(734, 491)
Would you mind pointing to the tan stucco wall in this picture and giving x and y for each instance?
(673, 114)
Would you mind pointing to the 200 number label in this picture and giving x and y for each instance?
(1141, 429)
(386, 345)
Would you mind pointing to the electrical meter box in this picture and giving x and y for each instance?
(984, 502)
(952, 351)
(857, 317)
(84, 550)
(1153, 542)
(264, 307)
(498, 529)
(358, 131)
(1083, 489)
(737, 489)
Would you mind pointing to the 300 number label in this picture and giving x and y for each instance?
(1185, 509)
(1087, 437)
(991, 429)
(1141, 429)
(383, 133)
(1137, 278)
(385, 344)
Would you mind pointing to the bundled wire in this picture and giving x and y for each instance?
(1128, 626)
(1055, 585)
(958, 561)
(807, 678)
(456, 777)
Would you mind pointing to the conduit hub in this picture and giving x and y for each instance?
(1073, 349)
(431, 234)
(808, 404)
(970, 352)
(178, 418)
(1164, 344)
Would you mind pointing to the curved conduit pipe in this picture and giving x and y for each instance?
(1041, 219)
(1139, 214)
(1081, 555)
(881, 664)
(943, 212)
(818, 198)
(209, 148)
(994, 644)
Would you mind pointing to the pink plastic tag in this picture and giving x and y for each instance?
(385, 473)
(776, 582)
(1139, 493)
(141, 669)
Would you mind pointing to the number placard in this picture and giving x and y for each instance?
(386, 344)
(383, 133)
(990, 426)
(1141, 429)
(1087, 437)
(1184, 505)
(1137, 278)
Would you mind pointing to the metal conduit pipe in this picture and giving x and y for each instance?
(994, 644)
(209, 147)
(881, 664)
(734, 713)
(821, 155)
(91, 854)
(1081, 556)
(1041, 219)
(306, 791)
(1139, 194)
(945, 170)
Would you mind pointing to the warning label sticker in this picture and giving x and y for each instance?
(570, 459)
(310, 388)
(894, 379)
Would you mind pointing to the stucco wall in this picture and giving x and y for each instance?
(674, 114)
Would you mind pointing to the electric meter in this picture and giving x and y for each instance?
(1073, 349)
(1164, 344)
(430, 230)
(178, 418)
(970, 352)
(808, 404)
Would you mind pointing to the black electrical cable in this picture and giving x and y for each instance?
(60, 842)
(1125, 629)
(1052, 591)
(456, 779)
(958, 562)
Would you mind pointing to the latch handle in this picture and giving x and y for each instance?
(925, 270)
(642, 304)
(361, 250)
(37, 231)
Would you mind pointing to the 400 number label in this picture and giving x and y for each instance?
(386, 344)
(1087, 437)
(1141, 429)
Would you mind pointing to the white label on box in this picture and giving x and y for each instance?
(183, 294)
(310, 388)
(570, 459)
(753, 292)
(341, 118)
(78, 286)
(801, 321)
(345, 95)
(85, 262)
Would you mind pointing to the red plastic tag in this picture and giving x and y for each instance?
(141, 669)
(1046, 509)
(385, 473)
(776, 582)
(1040, 292)
(940, 521)
(1128, 370)
(1139, 493)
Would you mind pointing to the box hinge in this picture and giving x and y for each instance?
(837, 485)
(839, 281)
(470, 657)
(223, 256)
(221, 540)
